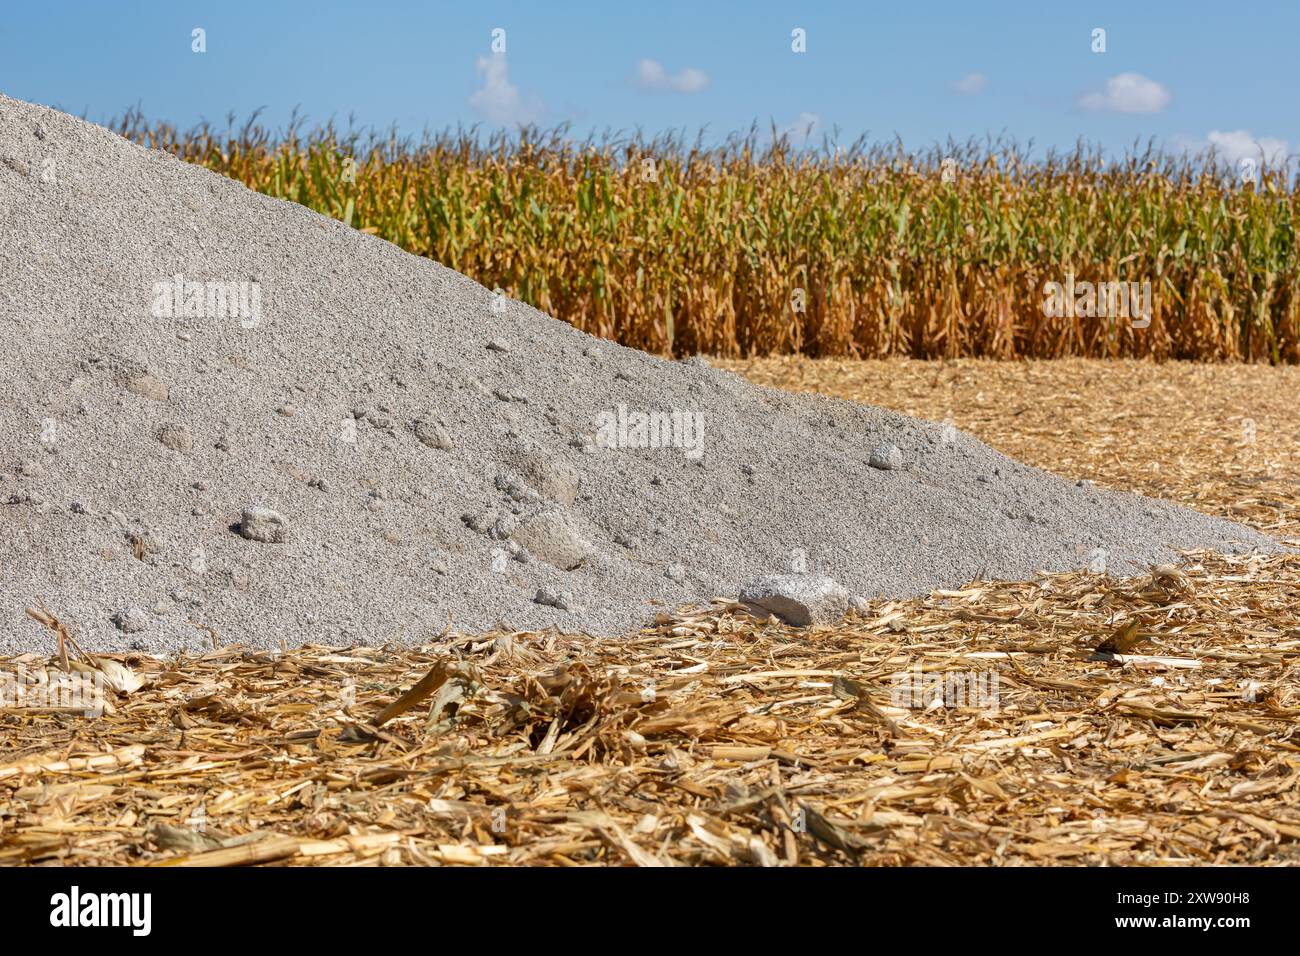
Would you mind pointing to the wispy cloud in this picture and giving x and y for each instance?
(1239, 144)
(971, 84)
(1235, 145)
(651, 75)
(802, 129)
(1127, 93)
(499, 100)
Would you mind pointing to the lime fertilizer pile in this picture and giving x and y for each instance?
(225, 413)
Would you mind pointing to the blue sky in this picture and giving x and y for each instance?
(1187, 73)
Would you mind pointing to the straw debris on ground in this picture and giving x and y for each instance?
(713, 738)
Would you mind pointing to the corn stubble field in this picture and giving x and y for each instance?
(677, 248)
(1148, 721)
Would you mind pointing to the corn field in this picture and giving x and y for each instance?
(753, 247)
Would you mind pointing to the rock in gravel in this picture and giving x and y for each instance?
(798, 599)
(590, 440)
(551, 537)
(887, 457)
(432, 434)
(551, 476)
(479, 521)
(131, 620)
(142, 382)
(177, 437)
(264, 525)
(563, 600)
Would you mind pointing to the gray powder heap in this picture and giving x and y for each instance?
(225, 411)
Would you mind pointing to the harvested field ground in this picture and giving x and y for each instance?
(715, 738)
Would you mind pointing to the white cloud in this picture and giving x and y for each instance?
(970, 84)
(651, 75)
(1239, 144)
(1127, 93)
(801, 130)
(499, 100)
(1234, 146)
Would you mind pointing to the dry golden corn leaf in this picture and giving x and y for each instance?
(1125, 636)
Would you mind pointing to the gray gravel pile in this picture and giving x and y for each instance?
(224, 411)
